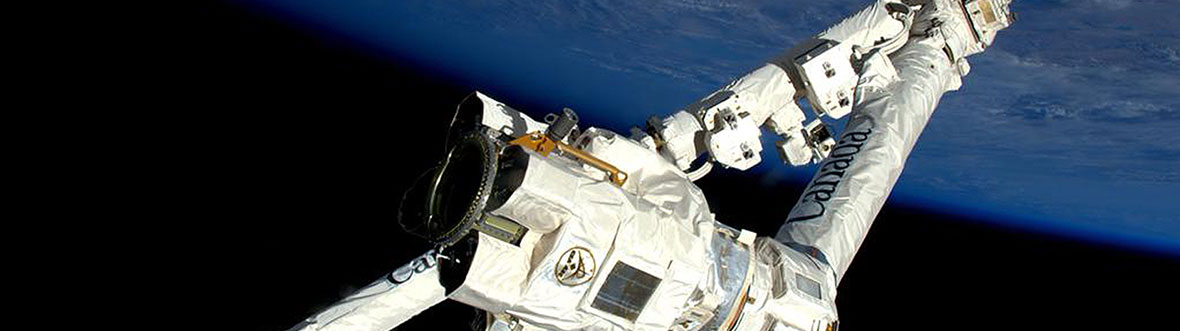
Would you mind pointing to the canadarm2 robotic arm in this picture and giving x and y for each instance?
(888, 65)
(556, 239)
(894, 99)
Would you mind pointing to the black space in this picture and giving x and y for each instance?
(302, 143)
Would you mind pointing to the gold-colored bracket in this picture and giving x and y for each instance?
(540, 143)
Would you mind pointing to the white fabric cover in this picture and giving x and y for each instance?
(866, 27)
(782, 300)
(653, 224)
(545, 199)
(839, 205)
(385, 303)
(680, 139)
(496, 277)
(498, 116)
(762, 92)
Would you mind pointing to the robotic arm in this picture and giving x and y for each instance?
(825, 70)
(386, 302)
(894, 99)
(546, 227)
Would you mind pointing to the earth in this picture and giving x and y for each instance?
(1066, 125)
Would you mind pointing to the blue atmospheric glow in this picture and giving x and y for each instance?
(1066, 125)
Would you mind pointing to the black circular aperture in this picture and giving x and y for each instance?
(448, 200)
(460, 184)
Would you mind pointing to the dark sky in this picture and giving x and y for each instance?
(310, 143)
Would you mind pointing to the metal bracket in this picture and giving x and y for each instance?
(544, 145)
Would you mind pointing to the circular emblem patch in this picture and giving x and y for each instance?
(575, 267)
